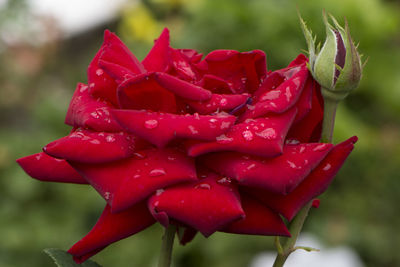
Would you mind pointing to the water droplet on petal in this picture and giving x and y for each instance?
(225, 125)
(159, 192)
(94, 141)
(247, 135)
(139, 155)
(83, 88)
(302, 149)
(192, 129)
(107, 195)
(292, 142)
(110, 138)
(157, 172)
(293, 165)
(203, 186)
(251, 166)
(224, 181)
(136, 176)
(223, 102)
(223, 139)
(196, 116)
(151, 124)
(268, 133)
(327, 167)
(288, 94)
(171, 158)
(99, 72)
(271, 95)
(320, 148)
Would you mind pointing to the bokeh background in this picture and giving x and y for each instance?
(43, 55)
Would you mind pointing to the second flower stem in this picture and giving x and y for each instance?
(166, 247)
(296, 225)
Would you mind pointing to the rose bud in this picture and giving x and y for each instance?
(337, 66)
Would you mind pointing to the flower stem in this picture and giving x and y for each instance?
(166, 247)
(296, 225)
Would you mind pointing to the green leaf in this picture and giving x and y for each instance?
(64, 259)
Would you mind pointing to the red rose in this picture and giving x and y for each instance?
(213, 144)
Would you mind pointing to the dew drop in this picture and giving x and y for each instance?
(38, 156)
(110, 139)
(223, 102)
(247, 135)
(293, 165)
(83, 88)
(94, 141)
(302, 149)
(224, 181)
(196, 116)
(99, 72)
(157, 172)
(223, 139)
(320, 148)
(225, 125)
(327, 167)
(139, 155)
(251, 166)
(288, 94)
(192, 129)
(136, 176)
(203, 186)
(268, 133)
(171, 158)
(151, 124)
(95, 114)
(107, 195)
(159, 192)
(271, 95)
(292, 142)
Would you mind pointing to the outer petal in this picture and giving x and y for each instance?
(281, 98)
(218, 102)
(115, 52)
(45, 168)
(243, 71)
(95, 147)
(110, 228)
(262, 137)
(85, 111)
(126, 182)
(159, 56)
(280, 174)
(308, 129)
(314, 185)
(259, 220)
(160, 128)
(205, 205)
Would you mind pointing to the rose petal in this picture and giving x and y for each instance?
(159, 56)
(110, 228)
(262, 137)
(126, 182)
(144, 92)
(308, 129)
(94, 147)
(215, 84)
(160, 128)
(279, 174)
(218, 102)
(259, 220)
(206, 205)
(181, 66)
(314, 185)
(281, 98)
(45, 168)
(186, 234)
(243, 71)
(112, 51)
(85, 111)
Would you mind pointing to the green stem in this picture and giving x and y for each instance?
(296, 225)
(166, 247)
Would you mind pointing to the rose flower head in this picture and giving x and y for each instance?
(214, 143)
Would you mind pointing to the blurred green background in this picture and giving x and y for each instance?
(37, 80)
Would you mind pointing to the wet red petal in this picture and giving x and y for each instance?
(110, 228)
(215, 84)
(259, 220)
(314, 185)
(112, 51)
(144, 92)
(308, 129)
(186, 234)
(159, 56)
(279, 174)
(85, 111)
(160, 128)
(218, 102)
(46, 168)
(94, 147)
(262, 136)
(206, 205)
(281, 98)
(126, 182)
